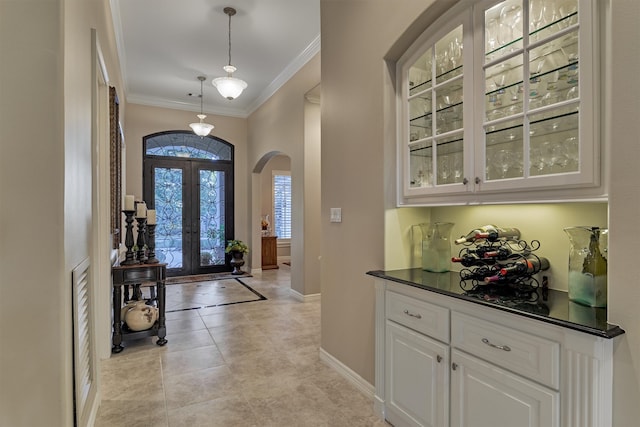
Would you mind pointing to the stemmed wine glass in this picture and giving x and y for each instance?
(455, 53)
(511, 16)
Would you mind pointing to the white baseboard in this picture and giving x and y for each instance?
(303, 298)
(355, 379)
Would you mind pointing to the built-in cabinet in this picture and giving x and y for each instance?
(501, 97)
(442, 361)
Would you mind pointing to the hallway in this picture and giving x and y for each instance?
(246, 364)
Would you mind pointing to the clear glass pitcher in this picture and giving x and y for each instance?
(436, 246)
(588, 265)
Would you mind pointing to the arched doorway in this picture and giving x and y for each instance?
(188, 180)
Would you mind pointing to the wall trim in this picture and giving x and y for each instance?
(360, 383)
(303, 298)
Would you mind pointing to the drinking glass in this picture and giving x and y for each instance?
(511, 16)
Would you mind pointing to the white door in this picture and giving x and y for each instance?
(483, 395)
(417, 377)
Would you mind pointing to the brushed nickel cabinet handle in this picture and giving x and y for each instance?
(499, 347)
(408, 313)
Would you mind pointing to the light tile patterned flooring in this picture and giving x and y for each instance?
(248, 364)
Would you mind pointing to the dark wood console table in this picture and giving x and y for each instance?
(125, 275)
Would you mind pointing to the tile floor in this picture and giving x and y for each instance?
(247, 364)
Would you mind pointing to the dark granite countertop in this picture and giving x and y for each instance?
(557, 309)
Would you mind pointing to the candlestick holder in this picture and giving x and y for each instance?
(128, 241)
(142, 257)
(151, 244)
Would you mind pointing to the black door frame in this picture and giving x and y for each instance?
(191, 203)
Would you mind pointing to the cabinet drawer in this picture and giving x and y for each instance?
(429, 319)
(528, 355)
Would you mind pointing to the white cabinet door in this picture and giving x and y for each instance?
(483, 395)
(417, 378)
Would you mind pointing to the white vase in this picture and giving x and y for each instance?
(139, 316)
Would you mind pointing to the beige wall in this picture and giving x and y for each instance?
(46, 216)
(358, 170)
(622, 103)
(356, 36)
(143, 120)
(278, 127)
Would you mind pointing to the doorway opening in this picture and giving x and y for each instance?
(188, 180)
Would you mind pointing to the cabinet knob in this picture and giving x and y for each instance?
(439, 358)
(454, 366)
(465, 181)
(478, 180)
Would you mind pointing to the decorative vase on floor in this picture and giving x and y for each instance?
(236, 262)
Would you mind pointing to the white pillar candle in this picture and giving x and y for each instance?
(129, 203)
(151, 217)
(141, 210)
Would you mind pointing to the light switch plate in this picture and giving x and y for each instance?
(336, 215)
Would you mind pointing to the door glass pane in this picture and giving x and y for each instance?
(554, 142)
(420, 116)
(420, 74)
(168, 204)
(421, 164)
(503, 29)
(504, 89)
(504, 150)
(212, 225)
(450, 159)
(548, 17)
(449, 56)
(449, 104)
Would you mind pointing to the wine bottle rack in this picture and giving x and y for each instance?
(482, 277)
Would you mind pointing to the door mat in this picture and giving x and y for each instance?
(204, 277)
(211, 293)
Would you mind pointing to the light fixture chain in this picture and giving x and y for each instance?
(230, 38)
(201, 95)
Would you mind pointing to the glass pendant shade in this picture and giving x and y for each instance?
(229, 87)
(201, 128)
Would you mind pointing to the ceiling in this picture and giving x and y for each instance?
(164, 45)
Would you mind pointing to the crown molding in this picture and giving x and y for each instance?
(294, 66)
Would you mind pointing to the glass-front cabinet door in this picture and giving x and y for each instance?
(504, 101)
(433, 135)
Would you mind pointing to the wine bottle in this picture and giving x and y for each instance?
(510, 233)
(469, 260)
(500, 253)
(495, 279)
(471, 236)
(529, 265)
(594, 263)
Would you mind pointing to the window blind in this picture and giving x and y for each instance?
(282, 204)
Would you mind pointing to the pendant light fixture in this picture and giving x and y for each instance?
(201, 128)
(229, 86)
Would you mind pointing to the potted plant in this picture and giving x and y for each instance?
(237, 249)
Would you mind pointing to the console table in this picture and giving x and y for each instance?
(125, 275)
(269, 252)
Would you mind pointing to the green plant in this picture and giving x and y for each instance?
(236, 246)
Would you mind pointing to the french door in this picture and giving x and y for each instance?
(193, 199)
